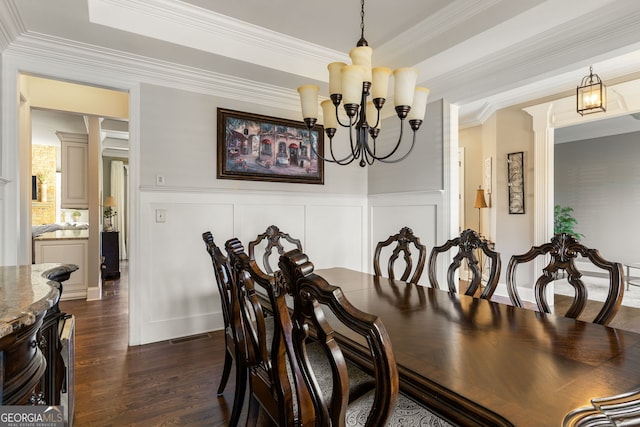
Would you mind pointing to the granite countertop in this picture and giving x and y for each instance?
(26, 292)
(63, 234)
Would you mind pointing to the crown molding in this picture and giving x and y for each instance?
(187, 25)
(79, 60)
(423, 33)
(581, 41)
(10, 23)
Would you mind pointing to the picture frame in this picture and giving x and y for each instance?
(255, 147)
(515, 182)
(487, 174)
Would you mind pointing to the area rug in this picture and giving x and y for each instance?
(598, 289)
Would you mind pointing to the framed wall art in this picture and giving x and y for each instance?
(487, 176)
(515, 182)
(261, 148)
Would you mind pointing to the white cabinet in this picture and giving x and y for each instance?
(66, 251)
(74, 157)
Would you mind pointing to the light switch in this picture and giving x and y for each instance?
(159, 179)
(161, 215)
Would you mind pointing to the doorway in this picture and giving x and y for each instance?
(49, 103)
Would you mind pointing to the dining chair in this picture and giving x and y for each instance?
(272, 238)
(323, 399)
(469, 245)
(233, 329)
(563, 250)
(403, 241)
(269, 386)
(619, 410)
(263, 311)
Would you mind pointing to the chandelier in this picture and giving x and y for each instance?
(591, 95)
(352, 85)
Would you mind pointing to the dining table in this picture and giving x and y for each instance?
(477, 362)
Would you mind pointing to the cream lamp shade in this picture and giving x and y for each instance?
(110, 202)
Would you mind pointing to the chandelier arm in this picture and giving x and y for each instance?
(377, 120)
(340, 162)
(369, 159)
(413, 142)
(381, 158)
(357, 146)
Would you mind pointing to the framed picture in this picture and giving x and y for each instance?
(261, 148)
(487, 175)
(515, 182)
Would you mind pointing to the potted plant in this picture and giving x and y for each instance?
(109, 213)
(564, 222)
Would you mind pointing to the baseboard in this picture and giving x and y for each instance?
(94, 293)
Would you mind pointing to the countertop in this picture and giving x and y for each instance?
(64, 234)
(26, 292)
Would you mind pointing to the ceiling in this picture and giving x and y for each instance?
(481, 55)
(114, 134)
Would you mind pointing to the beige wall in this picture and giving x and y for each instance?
(507, 131)
(471, 142)
(45, 93)
(513, 232)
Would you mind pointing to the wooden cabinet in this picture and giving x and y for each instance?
(110, 255)
(74, 156)
(23, 364)
(64, 247)
(32, 368)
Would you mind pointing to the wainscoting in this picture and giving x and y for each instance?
(174, 293)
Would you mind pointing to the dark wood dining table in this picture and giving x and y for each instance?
(478, 362)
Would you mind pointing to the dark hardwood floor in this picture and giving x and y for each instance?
(171, 383)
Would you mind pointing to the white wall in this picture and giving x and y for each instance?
(600, 179)
(420, 211)
(179, 294)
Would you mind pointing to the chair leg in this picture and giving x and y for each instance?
(228, 360)
(238, 398)
(253, 412)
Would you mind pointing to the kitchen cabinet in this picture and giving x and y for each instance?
(67, 247)
(74, 162)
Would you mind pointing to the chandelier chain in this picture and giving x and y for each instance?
(410, 104)
(362, 19)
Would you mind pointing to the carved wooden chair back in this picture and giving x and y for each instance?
(403, 241)
(563, 251)
(234, 335)
(313, 300)
(270, 387)
(272, 238)
(469, 245)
